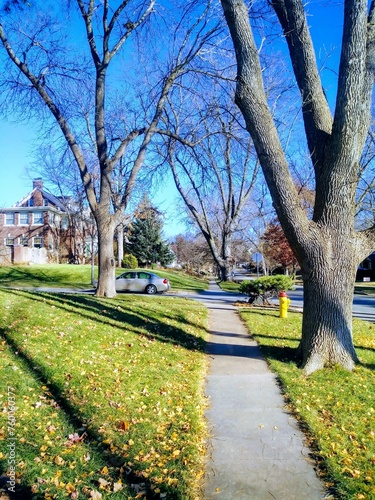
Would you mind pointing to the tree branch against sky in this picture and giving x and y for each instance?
(215, 178)
(328, 247)
(67, 62)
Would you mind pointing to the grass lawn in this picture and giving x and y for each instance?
(336, 407)
(108, 394)
(229, 286)
(79, 277)
(367, 288)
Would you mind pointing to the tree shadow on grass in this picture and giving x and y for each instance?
(26, 275)
(283, 354)
(60, 403)
(108, 314)
(21, 492)
(103, 452)
(111, 313)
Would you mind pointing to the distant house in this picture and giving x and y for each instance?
(41, 228)
(366, 270)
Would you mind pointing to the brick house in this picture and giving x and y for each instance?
(39, 229)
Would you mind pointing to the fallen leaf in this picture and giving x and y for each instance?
(117, 487)
(59, 461)
(95, 495)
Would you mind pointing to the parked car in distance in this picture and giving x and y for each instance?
(141, 281)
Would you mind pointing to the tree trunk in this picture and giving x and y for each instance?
(107, 263)
(224, 270)
(120, 244)
(327, 312)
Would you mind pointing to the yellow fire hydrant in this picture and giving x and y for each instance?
(284, 302)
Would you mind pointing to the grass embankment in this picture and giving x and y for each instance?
(50, 275)
(336, 407)
(79, 277)
(108, 395)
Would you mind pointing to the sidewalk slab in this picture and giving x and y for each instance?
(256, 450)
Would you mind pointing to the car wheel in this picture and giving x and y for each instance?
(151, 289)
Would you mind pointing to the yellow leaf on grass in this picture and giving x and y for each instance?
(70, 488)
(59, 461)
(117, 487)
(104, 470)
(123, 426)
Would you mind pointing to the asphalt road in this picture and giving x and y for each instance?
(363, 305)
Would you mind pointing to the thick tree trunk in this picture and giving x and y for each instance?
(327, 313)
(225, 270)
(107, 263)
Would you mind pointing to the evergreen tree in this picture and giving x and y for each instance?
(145, 236)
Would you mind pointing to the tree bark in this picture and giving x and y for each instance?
(106, 258)
(328, 277)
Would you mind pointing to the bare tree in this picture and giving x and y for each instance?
(328, 247)
(214, 170)
(193, 253)
(109, 147)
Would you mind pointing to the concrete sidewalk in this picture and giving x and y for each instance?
(256, 450)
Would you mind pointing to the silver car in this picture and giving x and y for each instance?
(141, 281)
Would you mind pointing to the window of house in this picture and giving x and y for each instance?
(24, 241)
(31, 202)
(24, 218)
(64, 222)
(38, 242)
(38, 217)
(9, 242)
(9, 219)
(53, 219)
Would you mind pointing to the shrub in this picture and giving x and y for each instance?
(129, 261)
(266, 287)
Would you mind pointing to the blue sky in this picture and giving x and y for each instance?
(17, 140)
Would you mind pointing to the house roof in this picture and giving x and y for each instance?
(46, 195)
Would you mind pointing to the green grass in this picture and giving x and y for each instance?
(336, 407)
(51, 275)
(366, 288)
(109, 395)
(229, 286)
(79, 277)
